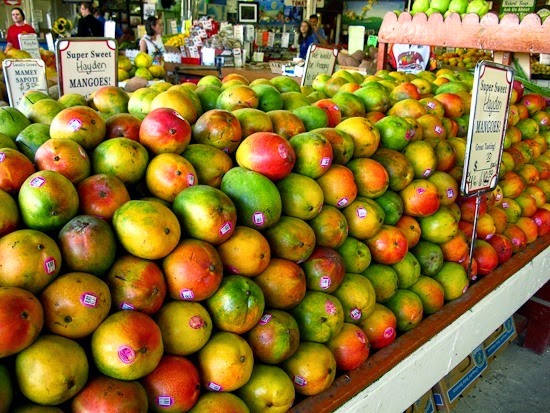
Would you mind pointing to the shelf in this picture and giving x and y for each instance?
(508, 34)
(421, 357)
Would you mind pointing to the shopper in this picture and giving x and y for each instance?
(99, 14)
(318, 31)
(306, 38)
(18, 27)
(152, 43)
(88, 25)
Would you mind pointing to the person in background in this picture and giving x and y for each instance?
(99, 14)
(18, 27)
(152, 43)
(319, 32)
(306, 38)
(88, 25)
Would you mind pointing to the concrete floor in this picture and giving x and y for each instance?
(517, 381)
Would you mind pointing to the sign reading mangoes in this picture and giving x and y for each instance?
(487, 127)
(318, 60)
(23, 75)
(29, 43)
(85, 65)
(519, 7)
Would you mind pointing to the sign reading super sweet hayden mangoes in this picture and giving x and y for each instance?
(487, 127)
(85, 65)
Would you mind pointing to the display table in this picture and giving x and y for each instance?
(182, 71)
(393, 378)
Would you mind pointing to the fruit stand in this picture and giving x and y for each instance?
(420, 358)
(507, 35)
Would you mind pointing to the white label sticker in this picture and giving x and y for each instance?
(165, 401)
(325, 161)
(49, 265)
(126, 306)
(2, 156)
(342, 202)
(265, 319)
(300, 381)
(37, 182)
(75, 124)
(225, 228)
(88, 300)
(427, 173)
(355, 314)
(187, 294)
(258, 218)
(214, 386)
(324, 282)
(450, 193)
(361, 212)
(190, 179)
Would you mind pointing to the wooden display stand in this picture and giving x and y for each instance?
(396, 376)
(505, 36)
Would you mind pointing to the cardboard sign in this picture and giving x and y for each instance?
(23, 75)
(487, 127)
(86, 64)
(318, 60)
(173, 26)
(29, 43)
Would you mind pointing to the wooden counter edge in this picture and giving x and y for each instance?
(351, 383)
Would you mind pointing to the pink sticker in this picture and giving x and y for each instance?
(232, 270)
(516, 241)
(361, 212)
(178, 115)
(88, 300)
(450, 193)
(49, 265)
(225, 228)
(427, 173)
(325, 282)
(2, 156)
(165, 401)
(355, 314)
(538, 221)
(431, 105)
(74, 124)
(82, 152)
(474, 277)
(187, 294)
(361, 337)
(299, 380)
(438, 129)
(265, 319)
(226, 150)
(489, 236)
(330, 308)
(283, 151)
(127, 306)
(505, 205)
(410, 134)
(325, 161)
(544, 121)
(126, 354)
(465, 289)
(258, 218)
(498, 196)
(388, 332)
(37, 182)
(342, 202)
(420, 191)
(190, 179)
(214, 386)
(196, 322)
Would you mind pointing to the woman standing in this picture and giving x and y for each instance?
(152, 43)
(306, 38)
(88, 25)
(18, 27)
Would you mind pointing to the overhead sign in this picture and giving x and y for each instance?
(318, 60)
(487, 127)
(86, 64)
(29, 43)
(12, 2)
(23, 75)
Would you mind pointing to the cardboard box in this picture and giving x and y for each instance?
(497, 342)
(425, 404)
(460, 380)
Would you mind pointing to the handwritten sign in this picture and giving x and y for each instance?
(85, 65)
(318, 60)
(23, 75)
(487, 127)
(29, 43)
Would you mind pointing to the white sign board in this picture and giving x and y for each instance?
(22, 75)
(86, 64)
(173, 26)
(109, 28)
(487, 127)
(356, 38)
(29, 43)
(318, 60)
